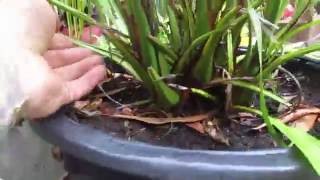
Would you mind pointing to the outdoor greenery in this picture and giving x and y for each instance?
(172, 45)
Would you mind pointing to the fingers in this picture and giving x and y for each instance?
(78, 69)
(90, 33)
(60, 58)
(60, 41)
(86, 83)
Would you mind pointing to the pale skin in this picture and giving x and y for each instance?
(67, 72)
(72, 73)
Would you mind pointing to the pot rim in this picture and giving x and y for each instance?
(141, 159)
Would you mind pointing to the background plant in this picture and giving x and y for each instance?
(195, 44)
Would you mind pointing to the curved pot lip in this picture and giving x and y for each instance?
(95, 146)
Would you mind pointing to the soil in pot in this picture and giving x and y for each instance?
(237, 133)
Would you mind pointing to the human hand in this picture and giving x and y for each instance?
(70, 72)
(47, 78)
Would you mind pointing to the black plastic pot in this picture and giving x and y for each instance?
(94, 153)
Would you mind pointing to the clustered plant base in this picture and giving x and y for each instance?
(233, 134)
(183, 76)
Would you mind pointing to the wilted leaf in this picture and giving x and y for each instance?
(87, 105)
(213, 130)
(196, 126)
(303, 115)
(80, 104)
(93, 105)
(154, 120)
(127, 111)
(306, 122)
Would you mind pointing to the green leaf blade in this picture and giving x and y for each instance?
(142, 31)
(166, 97)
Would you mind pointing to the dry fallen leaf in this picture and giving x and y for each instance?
(89, 108)
(127, 111)
(93, 105)
(306, 122)
(154, 120)
(79, 105)
(306, 117)
(218, 136)
(246, 119)
(196, 126)
(244, 116)
(211, 127)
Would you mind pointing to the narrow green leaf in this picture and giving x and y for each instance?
(69, 20)
(186, 31)
(227, 20)
(245, 65)
(163, 48)
(174, 27)
(165, 66)
(308, 145)
(166, 97)
(230, 52)
(203, 93)
(301, 7)
(231, 4)
(257, 89)
(81, 7)
(115, 57)
(142, 30)
(289, 56)
(75, 20)
(101, 9)
(256, 24)
(162, 7)
(185, 58)
(202, 24)
(149, 8)
(73, 11)
(203, 71)
(215, 11)
(299, 29)
(132, 60)
(274, 10)
(190, 17)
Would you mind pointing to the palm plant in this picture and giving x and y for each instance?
(173, 45)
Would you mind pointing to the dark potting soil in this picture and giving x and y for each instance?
(240, 135)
